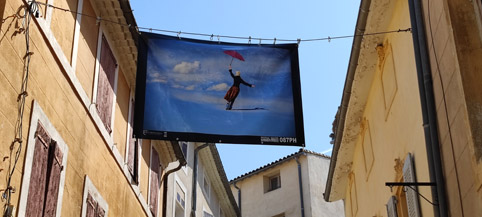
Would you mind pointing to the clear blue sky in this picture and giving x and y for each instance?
(323, 64)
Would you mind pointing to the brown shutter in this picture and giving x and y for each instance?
(105, 86)
(91, 206)
(53, 178)
(132, 143)
(154, 191)
(100, 211)
(36, 192)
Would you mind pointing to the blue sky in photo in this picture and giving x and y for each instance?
(187, 81)
(323, 64)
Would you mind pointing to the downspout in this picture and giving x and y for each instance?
(429, 115)
(194, 178)
(300, 181)
(164, 180)
(239, 198)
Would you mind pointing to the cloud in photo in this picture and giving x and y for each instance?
(219, 87)
(186, 67)
(156, 77)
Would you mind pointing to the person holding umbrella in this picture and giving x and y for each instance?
(233, 92)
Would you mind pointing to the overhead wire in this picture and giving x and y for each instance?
(249, 38)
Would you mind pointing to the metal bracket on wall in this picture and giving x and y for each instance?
(410, 185)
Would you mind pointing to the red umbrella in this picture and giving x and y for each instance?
(234, 54)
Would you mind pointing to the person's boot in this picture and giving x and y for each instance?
(228, 106)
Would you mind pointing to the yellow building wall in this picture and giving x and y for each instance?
(392, 127)
(89, 153)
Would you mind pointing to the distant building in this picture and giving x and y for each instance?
(211, 197)
(410, 112)
(289, 187)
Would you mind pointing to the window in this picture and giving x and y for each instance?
(272, 182)
(367, 145)
(392, 207)
(353, 195)
(206, 214)
(180, 201)
(184, 149)
(155, 173)
(93, 205)
(105, 84)
(44, 173)
(411, 196)
(133, 147)
(206, 186)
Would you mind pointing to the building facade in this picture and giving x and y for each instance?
(409, 112)
(291, 186)
(211, 195)
(67, 84)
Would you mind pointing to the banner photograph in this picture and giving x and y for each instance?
(209, 91)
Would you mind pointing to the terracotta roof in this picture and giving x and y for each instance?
(277, 162)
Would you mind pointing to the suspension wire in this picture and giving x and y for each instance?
(224, 36)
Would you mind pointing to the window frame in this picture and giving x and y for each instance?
(150, 180)
(39, 115)
(207, 192)
(135, 175)
(96, 81)
(179, 183)
(89, 187)
(276, 176)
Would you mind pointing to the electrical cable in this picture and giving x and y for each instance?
(31, 8)
(178, 33)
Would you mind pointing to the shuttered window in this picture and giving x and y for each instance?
(94, 209)
(45, 175)
(105, 85)
(133, 153)
(411, 195)
(392, 207)
(155, 182)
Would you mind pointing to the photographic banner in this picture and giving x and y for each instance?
(209, 91)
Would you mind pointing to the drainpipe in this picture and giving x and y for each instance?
(239, 198)
(429, 115)
(194, 179)
(164, 180)
(300, 181)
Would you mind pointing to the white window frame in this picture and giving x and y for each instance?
(183, 188)
(96, 81)
(39, 115)
(207, 193)
(75, 46)
(89, 187)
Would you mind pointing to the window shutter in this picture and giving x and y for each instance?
(53, 176)
(38, 177)
(91, 206)
(411, 195)
(392, 207)
(105, 86)
(100, 211)
(155, 173)
(132, 144)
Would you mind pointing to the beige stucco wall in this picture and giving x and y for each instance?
(183, 178)
(61, 90)
(455, 54)
(255, 202)
(391, 125)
